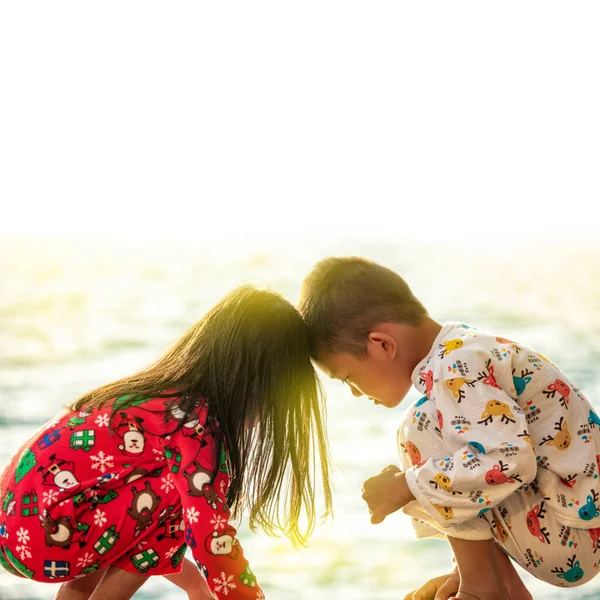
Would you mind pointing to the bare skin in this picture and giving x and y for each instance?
(480, 575)
(191, 582)
(79, 589)
(383, 374)
(115, 584)
(441, 587)
(448, 586)
(484, 571)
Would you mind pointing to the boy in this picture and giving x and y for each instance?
(499, 455)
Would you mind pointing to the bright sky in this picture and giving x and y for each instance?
(220, 119)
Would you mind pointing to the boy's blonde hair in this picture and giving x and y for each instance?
(344, 298)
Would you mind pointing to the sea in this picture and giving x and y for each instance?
(77, 313)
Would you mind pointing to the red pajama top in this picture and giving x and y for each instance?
(105, 486)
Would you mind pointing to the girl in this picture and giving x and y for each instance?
(116, 488)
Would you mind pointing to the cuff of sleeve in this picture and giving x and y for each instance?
(422, 509)
(422, 530)
(475, 530)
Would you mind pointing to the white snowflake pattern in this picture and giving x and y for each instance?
(159, 454)
(102, 461)
(218, 522)
(85, 560)
(23, 552)
(192, 515)
(224, 583)
(141, 545)
(172, 551)
(102, 420)
(167, 483)
(50, 496)
(99, 517)
(23, 536)
(222, 487)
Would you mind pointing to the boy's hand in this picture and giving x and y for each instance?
(438, 588)
(386, 493)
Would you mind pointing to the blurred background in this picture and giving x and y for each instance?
(152, 157)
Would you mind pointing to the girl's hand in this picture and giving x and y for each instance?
(443, 587)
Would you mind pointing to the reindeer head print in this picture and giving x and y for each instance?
(562, 440)
(497, 475)
(445, 511)
(534, 525)
(573, 574)
(589, 510)
(563, 391)
(495, 408)
(413, 453)
(521, 382)
(442, 481)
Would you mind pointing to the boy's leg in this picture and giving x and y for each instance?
(191, 581)
(487, 571)
(477, 565)
(514, 583)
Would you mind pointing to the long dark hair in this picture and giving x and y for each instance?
(249, 358)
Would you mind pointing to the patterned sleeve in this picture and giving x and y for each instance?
(485, 431)
(199, 468)
(410, 438)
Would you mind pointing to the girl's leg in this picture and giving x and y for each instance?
(79, 589)
(191, 581)
(118, 585)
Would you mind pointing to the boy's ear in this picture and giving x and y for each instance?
(382, 345)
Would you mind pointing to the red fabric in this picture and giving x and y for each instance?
(102, 487)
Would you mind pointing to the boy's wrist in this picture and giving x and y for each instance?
(404, 494)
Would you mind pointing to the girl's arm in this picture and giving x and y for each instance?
(202, 485)
(191, 582)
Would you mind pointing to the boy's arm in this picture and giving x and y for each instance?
(388, 491)
(486, 432)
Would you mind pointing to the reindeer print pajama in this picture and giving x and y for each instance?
(502, 445)
(103, 487)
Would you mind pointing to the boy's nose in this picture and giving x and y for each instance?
(355, 391)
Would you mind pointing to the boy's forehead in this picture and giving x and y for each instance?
(331, 363)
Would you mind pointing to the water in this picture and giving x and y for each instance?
(74, 315)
